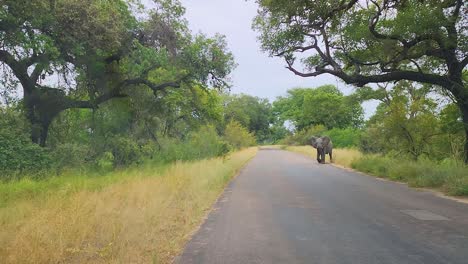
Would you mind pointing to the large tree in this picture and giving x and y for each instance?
(81, 53)
(372, 41)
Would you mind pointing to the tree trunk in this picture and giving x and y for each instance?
(460, 93)
(464, 111)
(42, 106)
(39, 131)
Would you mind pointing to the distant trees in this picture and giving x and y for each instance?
(324, 105)
(363, 42)
(251, 112)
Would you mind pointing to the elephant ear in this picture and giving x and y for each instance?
(325, 141)
(313, 142)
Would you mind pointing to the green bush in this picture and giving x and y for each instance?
(344, 137)
(105, 162)
(302, 137)
(205, 143)
(124, 150)
(201, 144)
(238, 136)
(70, 155)
(19, 156)
(450, 176)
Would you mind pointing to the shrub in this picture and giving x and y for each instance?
(205, 143)
(125, 151)
(238, 136)
(302, 137)
(18, 156)
(201, 144)
(70, 155)
(105, 162)
(344, 137)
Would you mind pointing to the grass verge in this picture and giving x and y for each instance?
(137, 216)
(449, 176)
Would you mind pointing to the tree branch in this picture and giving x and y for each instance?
(19, 69)
(361, 80)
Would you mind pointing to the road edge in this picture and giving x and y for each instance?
(212, 207)
(435, 192)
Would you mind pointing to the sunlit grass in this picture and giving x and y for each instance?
(135, 216)
(343, 157)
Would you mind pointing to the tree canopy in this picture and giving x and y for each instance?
(324, 105)
(79, 54)
(364, 42)
(251, 112)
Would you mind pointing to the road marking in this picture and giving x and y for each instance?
(425, 215)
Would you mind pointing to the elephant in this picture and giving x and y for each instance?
(324, 146)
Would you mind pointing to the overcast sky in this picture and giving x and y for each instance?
(256, 73)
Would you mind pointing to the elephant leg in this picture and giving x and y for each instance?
(322, 156)
(331, 157)
(318, 156)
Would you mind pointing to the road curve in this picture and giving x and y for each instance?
(286, 208)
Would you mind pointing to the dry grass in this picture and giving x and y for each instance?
(145, 218)
(343, 157)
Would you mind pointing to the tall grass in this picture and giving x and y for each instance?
(135, 216)
(343, 157)
(449, 176)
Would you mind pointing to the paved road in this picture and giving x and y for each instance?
(286, 208)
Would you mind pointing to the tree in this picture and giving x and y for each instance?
(324, 105)
(79, 54)
(251, 112)
(405, 122)
(238, 136)
(364, 42)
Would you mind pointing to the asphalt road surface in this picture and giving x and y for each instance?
(286, 208)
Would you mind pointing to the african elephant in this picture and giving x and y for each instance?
(324, 146)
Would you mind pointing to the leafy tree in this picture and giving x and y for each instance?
(238, 136)
(405, 122)
(251, 112)
(324, 105)
(364, 42)
(79, 54)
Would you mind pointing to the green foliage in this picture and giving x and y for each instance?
(251, 112)
(70, 155)
(124, 150)
(18, 155)
(344, 138)
(409, 123)
(302, 137)
(341, 138)
(238, 136)
(368, 42)
(277, 134)
(324, 105)
(451, 176)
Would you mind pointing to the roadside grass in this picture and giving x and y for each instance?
(343, 157)
(139, 215)
(449, 176)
